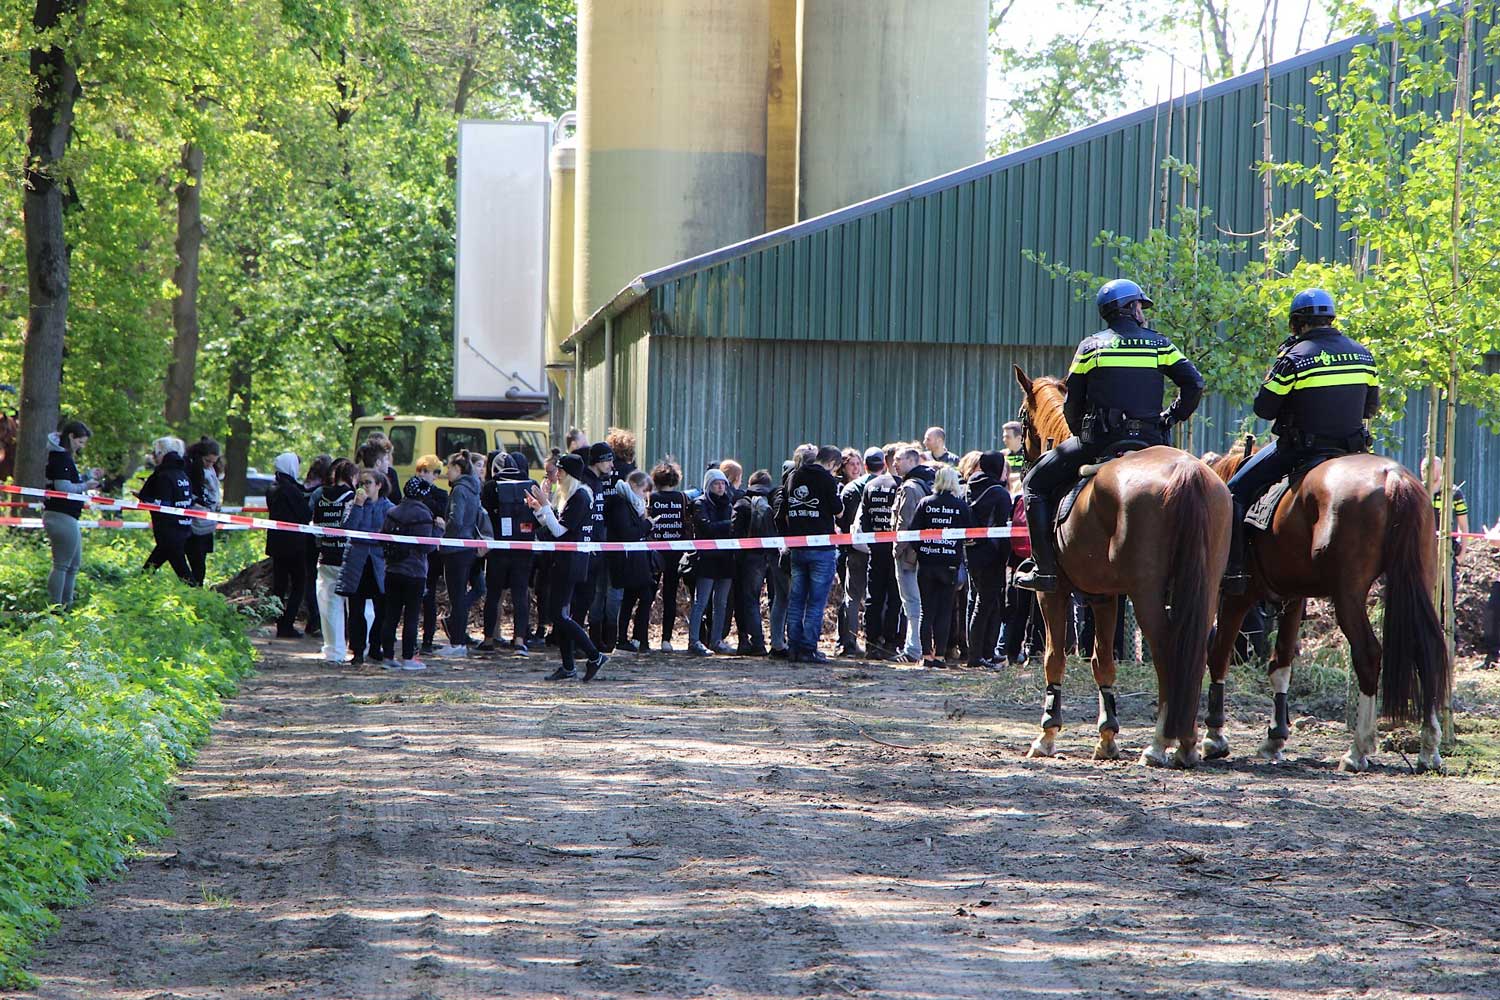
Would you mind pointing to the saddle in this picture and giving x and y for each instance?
(1262, 510)
(1118, 449)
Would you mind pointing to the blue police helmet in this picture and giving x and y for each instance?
(1119, 294)
(1313, 303)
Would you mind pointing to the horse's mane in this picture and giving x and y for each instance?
(1049, 392)
(1229, 463)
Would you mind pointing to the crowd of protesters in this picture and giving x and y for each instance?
(931, 603)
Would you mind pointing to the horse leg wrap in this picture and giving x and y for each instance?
(1282, 727)
(1052, 707)
(1215, 718)
(1108, 721)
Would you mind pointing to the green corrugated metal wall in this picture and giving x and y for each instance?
(877, 320)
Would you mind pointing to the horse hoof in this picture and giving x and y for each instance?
(1107, 750)
(1184, 761)
(1152, 757)
(1041, 748)
(1215, 748)
(1351, 764)
(1270, 751)
(1433, 764)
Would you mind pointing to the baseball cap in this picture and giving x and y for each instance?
(874, 456)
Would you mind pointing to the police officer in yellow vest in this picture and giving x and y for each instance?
(1115, 389)
(1319, 393)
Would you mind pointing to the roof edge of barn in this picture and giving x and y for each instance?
(643, 284)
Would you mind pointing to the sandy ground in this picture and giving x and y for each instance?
(741, 828)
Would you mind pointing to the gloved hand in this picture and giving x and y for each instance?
(1166, 421)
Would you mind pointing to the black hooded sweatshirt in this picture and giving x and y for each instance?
(990, 503)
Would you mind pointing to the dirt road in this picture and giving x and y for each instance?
(740, 828)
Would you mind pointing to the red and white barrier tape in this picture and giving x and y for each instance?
(682, 545)
(36, 522)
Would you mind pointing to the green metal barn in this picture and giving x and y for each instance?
(873, 322)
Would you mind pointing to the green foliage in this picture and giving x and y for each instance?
(97, 710)
(328, 129)
(1392, 169)
(1202, 302)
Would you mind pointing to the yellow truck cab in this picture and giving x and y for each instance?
(413, 437)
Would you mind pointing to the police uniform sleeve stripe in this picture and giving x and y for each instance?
(1168, 355)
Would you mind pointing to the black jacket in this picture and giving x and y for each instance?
(1124, 370)
(810, 504)
(850, 497)
(575, 523)
(877, 505)
(713, 517)
(668, 510)
(627, 570)
(990, 503)
(941, 510)
(168, 485)
(62, 474)
(287, 501)
(432, 495)
(410, 517)
(1322, 385)
(330, 506)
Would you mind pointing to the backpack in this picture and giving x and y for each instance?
(762, 518)
(1019, 546)
(395, 550)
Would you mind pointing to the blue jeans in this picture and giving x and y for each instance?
(812, 578)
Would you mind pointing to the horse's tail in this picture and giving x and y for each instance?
(1187, 502)
(1414, 649)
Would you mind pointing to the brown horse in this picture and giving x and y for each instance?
(1154, 525)
(1348, 521)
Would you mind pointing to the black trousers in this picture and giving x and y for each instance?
(430, 596)
(986, 609)
(289, 582)
(562, 596)
(750, 578)
(403, 605)
(355, 618)
(457, 565)
(541, 587)
(936, 585)
(171, 551)
(635, 613)
(882, 599)
(310, 590)
(1022, 621)
(197, 549)
(508, 571)
(669, 578)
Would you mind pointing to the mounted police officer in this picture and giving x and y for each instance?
(1318, 394)
(1115, 388)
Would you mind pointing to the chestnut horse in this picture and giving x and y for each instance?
(1347, 522)
(1153, 524)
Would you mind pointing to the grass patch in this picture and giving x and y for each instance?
(1477, 753)
(98, 709)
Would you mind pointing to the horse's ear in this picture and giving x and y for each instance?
(1022, 380)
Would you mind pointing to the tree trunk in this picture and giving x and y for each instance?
(237, 444)
(182, 372)
(55, 88)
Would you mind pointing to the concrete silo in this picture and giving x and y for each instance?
(562, 167)
(672, 137)
(892, 92)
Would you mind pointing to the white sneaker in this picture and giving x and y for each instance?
(452, 652)
(724, 648)
(413, 664)
(667, 647)
(336, 657)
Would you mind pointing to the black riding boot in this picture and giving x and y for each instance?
(1235, 578)
(1041, 574)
